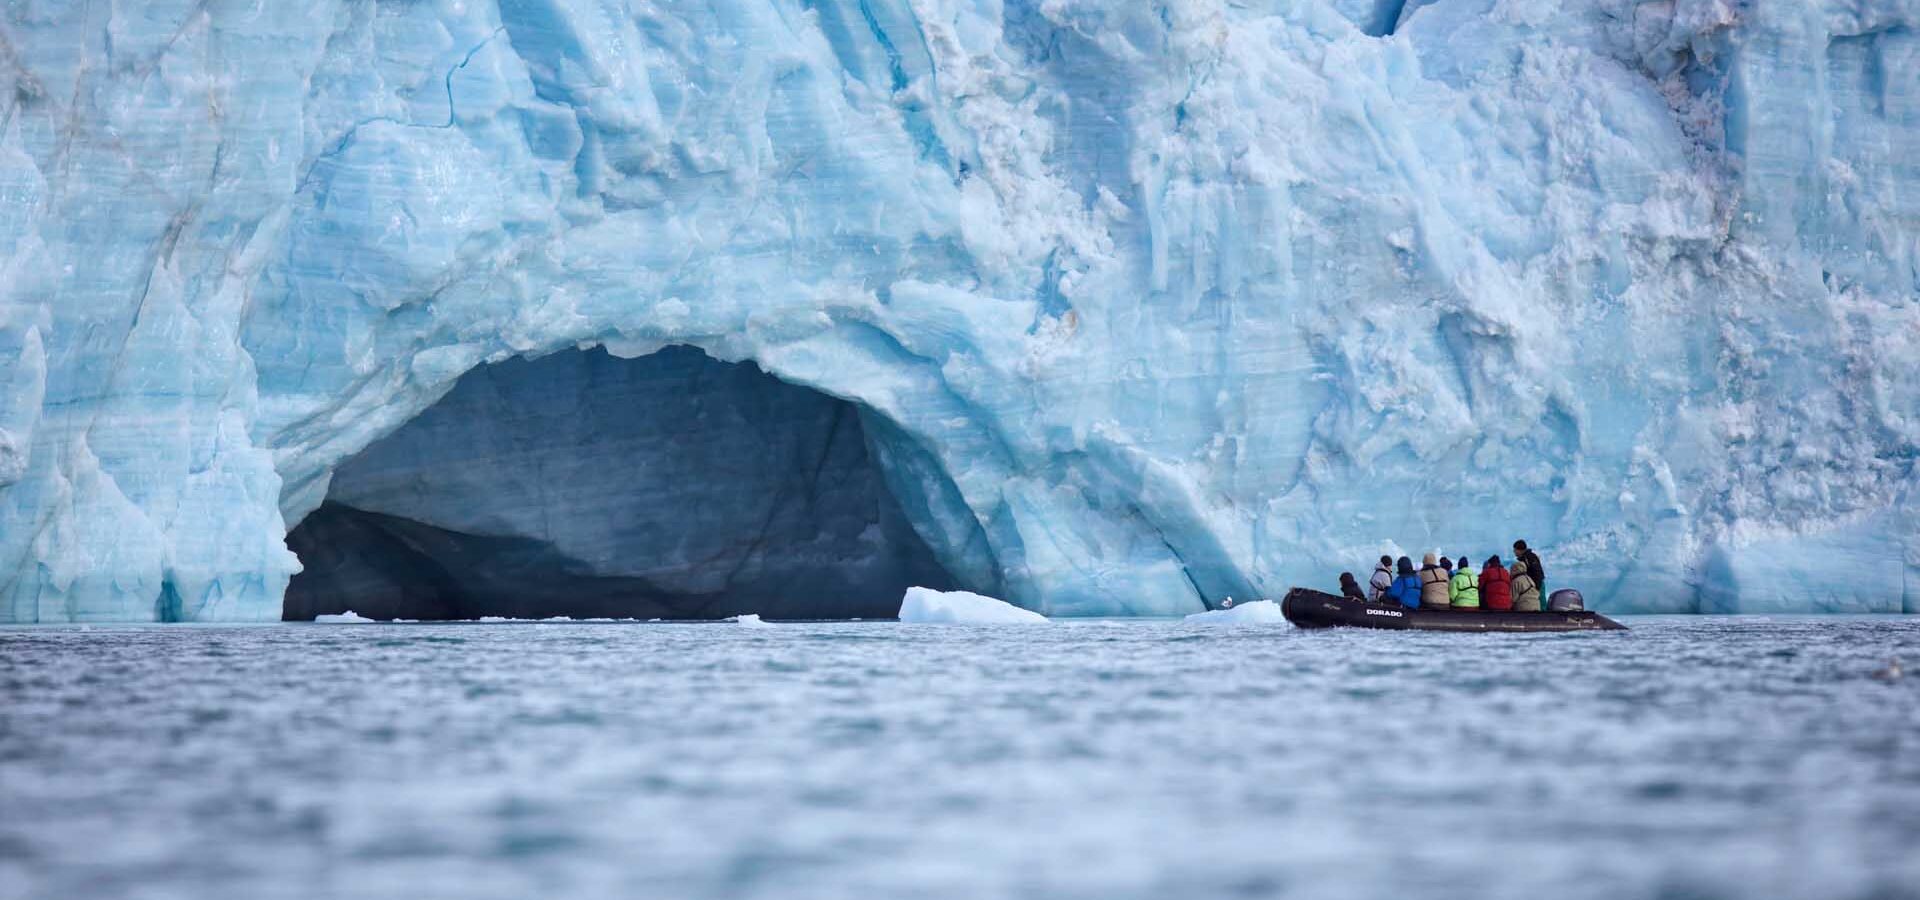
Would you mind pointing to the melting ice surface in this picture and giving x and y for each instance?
(1689, 757)
(1256, 612)
(1139, 305)
(927, 607)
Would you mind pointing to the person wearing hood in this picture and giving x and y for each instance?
(1382, 579)
(1526, 555)
(1526, 593)
(1405, 589)
(1434, 585)
(1496, 586)
(1464, 591)
(1350, 587)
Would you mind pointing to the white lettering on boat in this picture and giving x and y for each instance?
(1384, 612)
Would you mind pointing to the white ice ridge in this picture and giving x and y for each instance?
(346, 618)
(925, 606)
(1142, 305)
(1253, 612)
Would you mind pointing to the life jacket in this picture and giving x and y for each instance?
(1405, 591)
(1465, 590)
(1496, 588)
(1435, 588)
(1381, 581)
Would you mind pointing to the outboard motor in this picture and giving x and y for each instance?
(1566, 600)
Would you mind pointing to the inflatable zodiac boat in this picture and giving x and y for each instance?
(1309, 608)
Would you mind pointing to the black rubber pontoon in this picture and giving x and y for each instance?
(1309, 608)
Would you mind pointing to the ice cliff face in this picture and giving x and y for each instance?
(1141, 304)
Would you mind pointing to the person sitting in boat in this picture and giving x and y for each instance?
(1526, 593)
(1532, 559)
(1350, 587)
(1405, 589)
(1496, 586)
(1382, 579)
(1464, 591)
(1434, 585)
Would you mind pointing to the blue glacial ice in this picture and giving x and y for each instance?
(1139, 305)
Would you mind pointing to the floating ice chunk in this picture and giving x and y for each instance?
(751, 620)
(927, 606)
(1255, 612)
(346, 618)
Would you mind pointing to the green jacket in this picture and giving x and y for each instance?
(1465, 589)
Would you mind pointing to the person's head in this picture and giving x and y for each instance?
(1464, 564)
(1427, 560)
(1386, 562)
(1406, 566)
(1346, 578)
(1494, 561)
(1446, 562)
(1519, 547)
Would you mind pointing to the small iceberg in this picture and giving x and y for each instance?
(1255, 612)
(925, 606)
(750, 620)
(346, 618)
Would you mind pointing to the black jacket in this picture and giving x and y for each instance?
(1539, 574)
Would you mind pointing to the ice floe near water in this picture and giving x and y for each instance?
(1252, 612)
(347, 618)
(925, 606)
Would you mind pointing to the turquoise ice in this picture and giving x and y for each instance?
(1142, 305)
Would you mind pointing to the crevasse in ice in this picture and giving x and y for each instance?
(1141, 305)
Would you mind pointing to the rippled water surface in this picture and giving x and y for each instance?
(1693, 758)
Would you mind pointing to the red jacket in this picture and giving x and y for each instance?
(1496, 588)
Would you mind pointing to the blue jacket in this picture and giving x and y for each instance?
(1405, 591)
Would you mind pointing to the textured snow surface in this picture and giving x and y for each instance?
(1142, 305)
(924, 606)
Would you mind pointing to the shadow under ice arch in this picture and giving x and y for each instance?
(958, 483)
(667, 485)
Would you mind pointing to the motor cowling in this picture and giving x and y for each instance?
(1566, 600)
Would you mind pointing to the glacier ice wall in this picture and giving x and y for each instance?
(1144, 303)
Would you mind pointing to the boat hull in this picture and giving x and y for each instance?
(1309, 608)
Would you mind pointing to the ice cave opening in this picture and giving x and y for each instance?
(582, 484)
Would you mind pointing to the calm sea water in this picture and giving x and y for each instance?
(1688, 758)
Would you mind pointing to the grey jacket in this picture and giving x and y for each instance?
(1378, 584)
